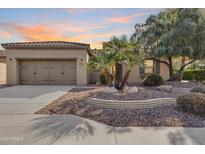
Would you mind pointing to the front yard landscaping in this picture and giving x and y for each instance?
(74, 102)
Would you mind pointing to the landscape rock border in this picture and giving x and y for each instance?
(136, 104)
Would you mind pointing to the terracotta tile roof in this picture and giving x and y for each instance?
(47, 45)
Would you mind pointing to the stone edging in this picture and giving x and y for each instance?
(134, 104)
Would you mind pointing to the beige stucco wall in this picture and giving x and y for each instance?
(94, 76)
(134, 76)
(164, 71)
(2, 71)
(80, 55)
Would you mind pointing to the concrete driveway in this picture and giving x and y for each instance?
(28, 99)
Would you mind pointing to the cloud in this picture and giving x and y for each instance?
(99, 35)
(78, 10)
(34, 32)
(5, 34)
(123, 19)
(96, 45)
(76, 27)
(42, 32)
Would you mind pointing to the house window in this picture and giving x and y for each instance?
(148, 67)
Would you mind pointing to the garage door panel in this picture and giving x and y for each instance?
(54, 72)
(41, 70)
(70, 72)
(27, 76)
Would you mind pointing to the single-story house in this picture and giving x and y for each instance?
(57, 63)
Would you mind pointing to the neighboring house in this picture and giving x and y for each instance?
(57, 63)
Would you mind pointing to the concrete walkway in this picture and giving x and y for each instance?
(18, 124)
(69, 129)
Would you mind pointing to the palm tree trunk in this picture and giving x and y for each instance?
(125, 79)
(107, 76)
(118, 73)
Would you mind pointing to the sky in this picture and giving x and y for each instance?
(92, 26)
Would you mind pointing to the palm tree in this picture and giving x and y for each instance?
(102, 62)
(118, 46)
(125, 53)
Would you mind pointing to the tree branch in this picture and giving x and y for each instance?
(183, 66)
(160, 61)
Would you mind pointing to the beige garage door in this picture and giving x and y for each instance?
(48, 72)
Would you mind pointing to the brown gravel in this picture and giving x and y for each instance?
(189, 84)
(143, 94)
(166, 115)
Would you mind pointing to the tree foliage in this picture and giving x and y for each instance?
(118, 51)
(102, 62)
(173, 33)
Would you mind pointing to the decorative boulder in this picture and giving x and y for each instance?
(165, 88)
(132, 90)
(140, 88)
(198, 89)
(125, 89)
(110, 90)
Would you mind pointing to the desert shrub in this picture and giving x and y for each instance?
(198, 89)
(192, 102)
(153, 80)
(198, 75)
(103, 79)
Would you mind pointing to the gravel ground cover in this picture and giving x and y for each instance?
(189, 84)
(143, 94)
(165, 115)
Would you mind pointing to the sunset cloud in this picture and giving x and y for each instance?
(35, 32)
(48, 33)
(79, 10)
(5, 34)
(123, 19)
(99, 35)
(87, 25)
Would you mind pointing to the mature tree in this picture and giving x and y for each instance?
(173, 33)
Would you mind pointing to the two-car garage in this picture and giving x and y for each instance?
(47, 72)
(47, 63)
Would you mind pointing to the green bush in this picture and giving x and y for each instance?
(103, 79)
(153, 80)
(192, 102)
(198, 89)
(198, 75)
